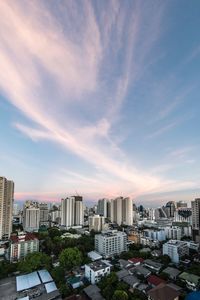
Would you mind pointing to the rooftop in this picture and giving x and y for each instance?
(136, 260)
(171, 271)
(190, 277)
(28, 236)
(164, 292)
(97, 265)
(131, 280)
(93, 292)
(153, 263)
(155, 280)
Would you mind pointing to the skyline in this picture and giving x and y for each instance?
(100, 98)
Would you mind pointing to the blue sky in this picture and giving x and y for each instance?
(100, 98)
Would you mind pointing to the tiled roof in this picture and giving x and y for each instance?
(136, 260)
(164, 292)
(28, 237)
(155, 280)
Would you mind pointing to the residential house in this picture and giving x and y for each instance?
(163, 292)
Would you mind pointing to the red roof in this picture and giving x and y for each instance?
(28, 237)
(155, 280)
(136, 260)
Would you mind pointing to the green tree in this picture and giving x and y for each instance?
(65, 290)
(35, 261)
(70, 258)
(58, 274)
(165, 259)
(120, 295)
(53, 232)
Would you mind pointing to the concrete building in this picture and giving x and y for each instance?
(173, 233)
(103, 208)
(122, 211)
(175, 250)
(181, 204)
(22, 244)
(170, 209)
(110, 243)
(96, 270)
(31, 216)
(44, 214)
(72, 211)
(6, 207)
(183, 214)
(55, 216)
(156, 235)
(196, 219)
(96, 223)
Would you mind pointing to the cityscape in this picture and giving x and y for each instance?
(99, 150)
(69, 250)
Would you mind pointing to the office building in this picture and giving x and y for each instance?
(175, 250)
(110, 243)
(22, 244)
(72, 211)
(122, 211)
(96, 223)
(31, 216)
(6, 207)
(196, 219)
(155, 234)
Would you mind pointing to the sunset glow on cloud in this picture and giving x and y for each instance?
(96, 98)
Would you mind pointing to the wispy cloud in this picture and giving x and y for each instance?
(62, 77)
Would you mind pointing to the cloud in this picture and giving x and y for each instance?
(70, 86)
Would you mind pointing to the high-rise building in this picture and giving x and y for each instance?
(170, 209)
(44, 214)
(6, 207)
(196, 219)
(103, 208)
(31, 216)
(122, 211)
(183, 214)
(72, 211)
(96, 223)
(15, 209)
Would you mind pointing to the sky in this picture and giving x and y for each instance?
(101, 99)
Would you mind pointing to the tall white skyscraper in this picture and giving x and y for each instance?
(96, 223)
(6, 207)
(72, 211)
(31, 216)
(122, 211)
(196, 219)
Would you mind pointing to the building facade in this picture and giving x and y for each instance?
(196, 219)
(31, 216)
(6, 207)
(96, 223)
(122, 211)
(21, 245)
(95, 271)
(175, 250)
(72, 211)
(110, 243)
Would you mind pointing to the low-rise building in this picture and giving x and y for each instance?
(96, 270)
(163, 291)
(22, 244)
(175, 250)
(131, 280)
(93, 255)
(154, 280)
(192, 281)
(153, 265)
(110, 243)
(172, 272)
(140, 271)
